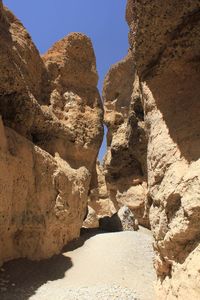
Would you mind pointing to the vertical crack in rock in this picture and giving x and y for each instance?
(122, 179)
(125, 160)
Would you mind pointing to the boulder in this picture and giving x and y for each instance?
(123, 220)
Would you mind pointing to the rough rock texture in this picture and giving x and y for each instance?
(92, 220)
(42, 199)
(165, 41)
(50, 136)
(99, 195)
(99, 203)
(75, 100)
(123, 220)
(125, 160)
(127, 219)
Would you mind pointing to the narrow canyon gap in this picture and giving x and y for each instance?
(52, 128)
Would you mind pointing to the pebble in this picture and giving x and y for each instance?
(98, 292)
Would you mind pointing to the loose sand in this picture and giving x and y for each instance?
(96, 266)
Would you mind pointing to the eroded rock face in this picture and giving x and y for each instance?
(50, 136)
(125, 160)
(164, 39)
(123, 220)
(75, 99)
(42, 199)
(99, 202)
(92, 220)
(99, 198)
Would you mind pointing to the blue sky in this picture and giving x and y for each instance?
(102, 20)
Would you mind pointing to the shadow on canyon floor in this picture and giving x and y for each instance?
(84, 236)
(20, 279)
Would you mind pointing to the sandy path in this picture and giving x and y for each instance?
(102, 266)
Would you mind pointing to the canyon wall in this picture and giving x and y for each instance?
(152, 164)
(51, 131)
(125, 159)
(99, 202)
(165, 43)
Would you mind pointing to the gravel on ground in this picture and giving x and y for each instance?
(96, 266)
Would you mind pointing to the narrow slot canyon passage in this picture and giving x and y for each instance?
(113, 257)
(99, 150)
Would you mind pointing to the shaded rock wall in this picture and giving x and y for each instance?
(51, 131)
(99, 202)
(99, 197)
(125, 160)
(165, 42)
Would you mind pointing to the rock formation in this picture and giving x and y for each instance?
(92, 219)
(165, 42)
(125, 160)
(51, 131)
(99, 203)
(151, 102)
(122, 220)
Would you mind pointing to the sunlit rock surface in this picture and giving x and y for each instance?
(51, 131)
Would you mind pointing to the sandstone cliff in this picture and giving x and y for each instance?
(125, 160)
(51, 131)
(165, 42)
(99, 202)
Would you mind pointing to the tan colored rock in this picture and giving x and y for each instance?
(164, 39)
(99, 203)
(22, 71)
(74, 96)
(52, 113)
(35, 84)
(42, 199)
(99, 196)
(125, 160)
(92, 220)
(185, 278)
